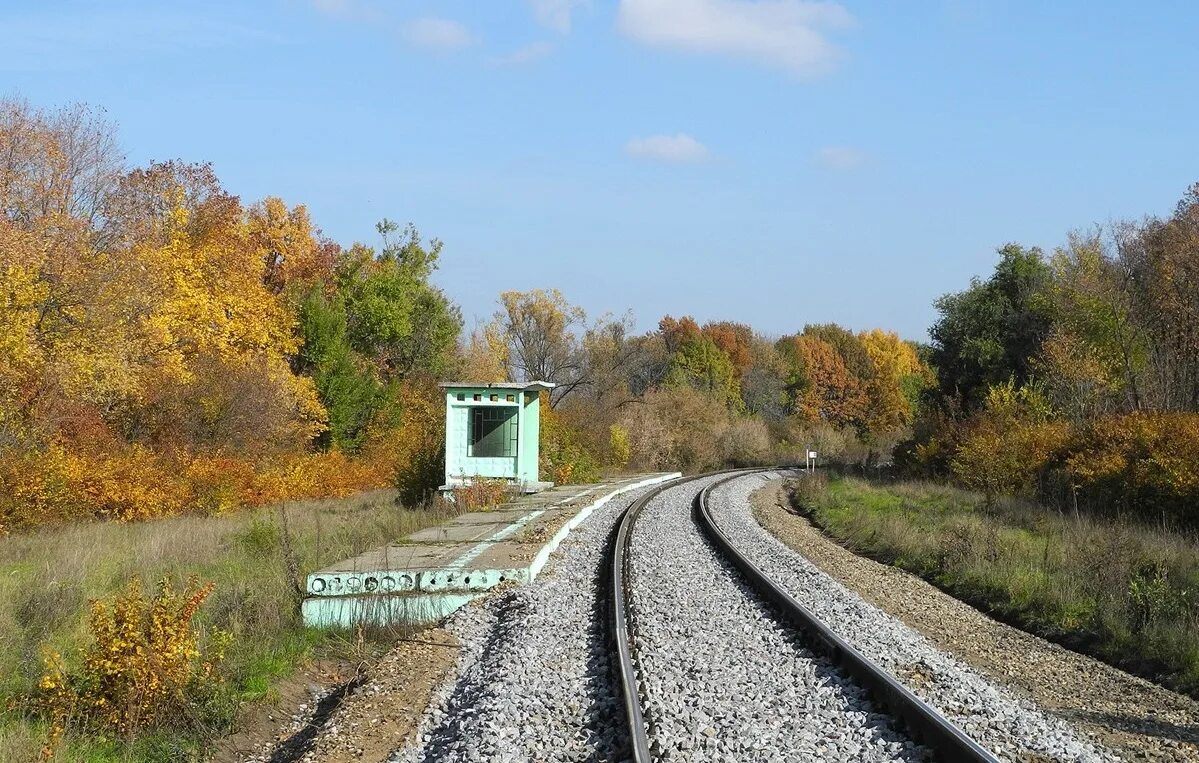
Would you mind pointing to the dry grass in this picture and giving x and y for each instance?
(1123, 592)
(482, 493)
(256, 558)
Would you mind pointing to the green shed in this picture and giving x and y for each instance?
(493, 431)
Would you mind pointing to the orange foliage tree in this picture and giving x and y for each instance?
(820, 384)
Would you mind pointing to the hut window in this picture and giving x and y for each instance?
(492, 432)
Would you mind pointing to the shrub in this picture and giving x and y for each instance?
(745, 443)
(1146, 463)
(415, 450)
(565, 457)
(147, 666)
(619, 445)
(677, 428)
(218, 484)
(1009, 445)
(127, 483)
(36, 488)
(481, 493)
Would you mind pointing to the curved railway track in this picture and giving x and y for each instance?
(922, 723)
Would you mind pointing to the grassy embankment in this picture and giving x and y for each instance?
(48, 577)
(1128, 594)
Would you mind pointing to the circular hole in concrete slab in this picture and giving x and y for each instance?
(389, 583)
(467, 580)
(372, 583)
(502, 578)
(318, 585)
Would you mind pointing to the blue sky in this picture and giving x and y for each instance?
(776, 162)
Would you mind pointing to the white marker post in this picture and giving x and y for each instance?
(811, 462)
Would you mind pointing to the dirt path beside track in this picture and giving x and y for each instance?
(343, 714)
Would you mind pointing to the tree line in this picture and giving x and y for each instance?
(1073, 376)
(165, 347)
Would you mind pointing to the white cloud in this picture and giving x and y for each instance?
(555, 14)
(840, 158)
(441, 35)
(680, 147)
(534, 51)
(788, 34)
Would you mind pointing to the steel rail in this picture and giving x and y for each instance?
(924, 724)
(622, 613)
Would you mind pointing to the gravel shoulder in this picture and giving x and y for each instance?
(1133, 717)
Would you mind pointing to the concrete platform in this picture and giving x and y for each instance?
(433, 572)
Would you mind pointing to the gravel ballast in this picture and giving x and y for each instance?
(533, 680)
(1011, 727)
(723, 678)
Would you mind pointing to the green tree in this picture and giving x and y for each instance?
(992, 331)
(395, 317)
(348, 387)
(700, 364)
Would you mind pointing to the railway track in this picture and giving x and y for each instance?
(933, 734)
(706, 667)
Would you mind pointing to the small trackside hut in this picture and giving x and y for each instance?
(492, 431)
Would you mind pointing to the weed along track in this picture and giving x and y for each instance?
(719, 659)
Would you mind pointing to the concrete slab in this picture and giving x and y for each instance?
(431, 573)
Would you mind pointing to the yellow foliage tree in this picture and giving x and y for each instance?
(893, 362)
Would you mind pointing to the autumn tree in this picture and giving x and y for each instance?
(539, 329)
(847, 344)
(55, 166)
(1094, 358)
(735, 340)
(764, 383)
(482, 356)
(608, 354)
(1161, 260)
(289, 246)
(820, 385)
(894, 378)
(675, 332)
